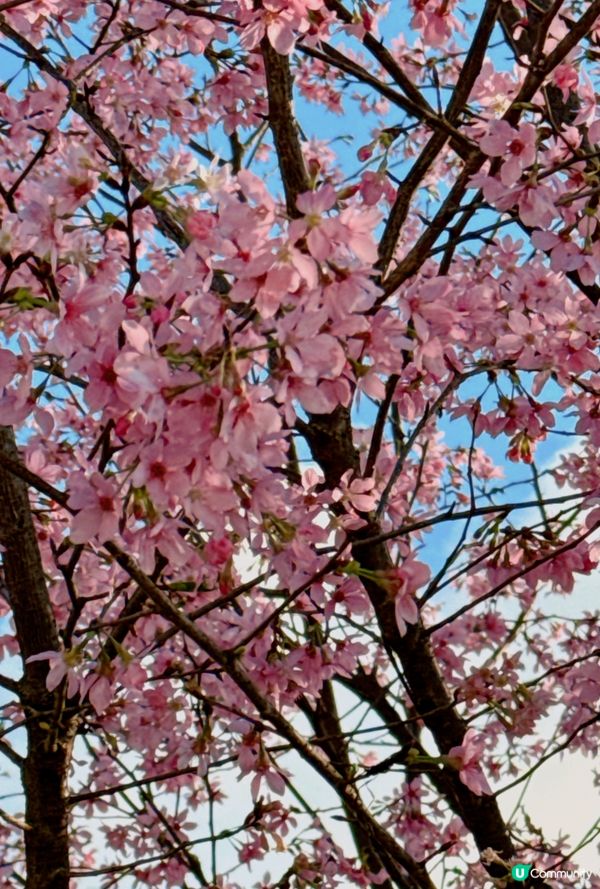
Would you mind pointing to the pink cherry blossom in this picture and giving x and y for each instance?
(468, 761)
(319, 229)
(218, 550)
(402, 583)
(95, 500)
(282, 22)
(357, 492)
(518, 147)
(62, 665)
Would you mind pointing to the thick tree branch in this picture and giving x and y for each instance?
(324, 718)
(430, 697)
(49, 739)
(284, 127)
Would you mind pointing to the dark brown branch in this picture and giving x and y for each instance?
(394, 858)
(385, 59)
(523, 572)
(413, 261)
(452, 515)
(12, 4)
(431, 699)
(9, 684)
(431, 152)
(325, 720)
(284, 127)
(379, 427)
(37, 157)
(49, 741)
(564, 745)
(11, 754)
(533, 81)
(331, 56)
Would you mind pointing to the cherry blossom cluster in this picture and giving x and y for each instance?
(327, 453)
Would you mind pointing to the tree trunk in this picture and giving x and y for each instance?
(50, 731)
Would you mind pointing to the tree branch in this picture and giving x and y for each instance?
(45, 769)
(284, 127)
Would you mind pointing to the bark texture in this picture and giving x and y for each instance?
(50, 729)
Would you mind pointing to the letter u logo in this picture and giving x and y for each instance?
(520, 871)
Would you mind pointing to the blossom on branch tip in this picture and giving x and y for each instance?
(466, 758)
(61, 665)
(401, 584)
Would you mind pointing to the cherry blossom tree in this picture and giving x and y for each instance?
(298, 301)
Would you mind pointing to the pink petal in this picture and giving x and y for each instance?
(85, 525)
(100, 695)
